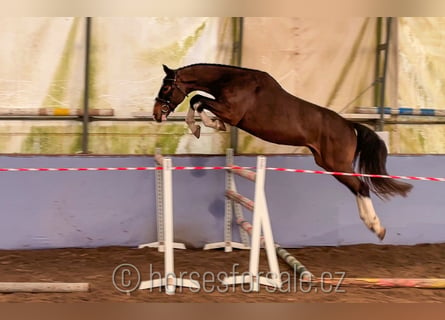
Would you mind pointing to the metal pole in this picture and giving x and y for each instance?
(236, 60)
(377, 88)
(383, 78)
(85, 116)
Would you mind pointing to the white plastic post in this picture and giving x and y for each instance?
(255, 243)
(160, 208)
(170, 282)
(168, 228)
(261, 221)
(262, 211)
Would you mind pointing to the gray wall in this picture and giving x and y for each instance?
(91, 209)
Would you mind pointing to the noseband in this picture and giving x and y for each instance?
(167, 106)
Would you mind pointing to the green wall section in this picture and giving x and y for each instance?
(93, 70)
(57, 93)
(53, 139)
(144, 137)
(136, 138)
(417, 138)
(114, 138)
(173, 53)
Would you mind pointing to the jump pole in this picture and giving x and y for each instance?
(281, 252)
(158, 158)
(170, 282)
(373, 283)
(34, 287)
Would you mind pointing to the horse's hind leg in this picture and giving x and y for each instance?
(369, 216)
(364, 203)
(361, 191)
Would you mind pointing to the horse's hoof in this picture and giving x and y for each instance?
(381, 234)
(197, 132)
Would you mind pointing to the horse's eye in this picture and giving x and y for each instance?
(166, 89)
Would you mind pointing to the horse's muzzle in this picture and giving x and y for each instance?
(159, 117)
(163, 117)
(160, 112)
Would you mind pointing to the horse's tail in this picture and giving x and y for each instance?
(371, 155)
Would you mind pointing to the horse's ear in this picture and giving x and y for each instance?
(167, 70)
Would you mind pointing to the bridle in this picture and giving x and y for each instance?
(167, 106)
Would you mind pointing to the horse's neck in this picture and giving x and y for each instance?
(201, 78)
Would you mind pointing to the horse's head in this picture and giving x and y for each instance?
(169, 96)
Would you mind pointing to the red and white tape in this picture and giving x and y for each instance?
(334, 173)
(79, 169)
(223, 168)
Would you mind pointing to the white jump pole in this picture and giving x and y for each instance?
(160, 208)
(170, 282)
(261, 222)
(169, 272)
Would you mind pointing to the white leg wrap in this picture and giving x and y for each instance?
(369, 217)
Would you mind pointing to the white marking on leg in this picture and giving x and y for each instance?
(215, 124)
(369, 216)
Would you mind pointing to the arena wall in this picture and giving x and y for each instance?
(93, 209)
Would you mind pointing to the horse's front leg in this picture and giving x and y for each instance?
(190, 120)
(198, 105)
(211, 123)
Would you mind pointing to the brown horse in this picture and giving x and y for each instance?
(256, 103)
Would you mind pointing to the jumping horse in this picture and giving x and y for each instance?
(255, 102)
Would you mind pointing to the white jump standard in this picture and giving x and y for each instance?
(234, 204)
(160, 209)
(170, 282)
(261, 222)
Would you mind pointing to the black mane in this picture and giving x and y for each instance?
(217, 65)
